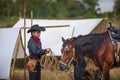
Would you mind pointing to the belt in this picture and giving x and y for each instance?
(34, 58)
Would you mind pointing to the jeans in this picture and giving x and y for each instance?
(36, 75)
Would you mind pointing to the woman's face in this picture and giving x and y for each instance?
(36, 34)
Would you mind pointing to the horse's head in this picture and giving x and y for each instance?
(67, 53)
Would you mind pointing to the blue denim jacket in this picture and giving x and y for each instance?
(35, 49)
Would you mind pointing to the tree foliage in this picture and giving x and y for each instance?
(50, 8)
(117, 9)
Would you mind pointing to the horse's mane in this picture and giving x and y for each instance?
(89, 43)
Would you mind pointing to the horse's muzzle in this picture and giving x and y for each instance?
(62, 67)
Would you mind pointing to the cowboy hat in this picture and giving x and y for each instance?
(36, 28)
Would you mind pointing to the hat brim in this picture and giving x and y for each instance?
(38, 29)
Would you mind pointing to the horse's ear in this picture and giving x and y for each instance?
(63, 40)
(72, 40)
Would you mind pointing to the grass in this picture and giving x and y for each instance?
(115, 74)
(46, 75)
(60, 75)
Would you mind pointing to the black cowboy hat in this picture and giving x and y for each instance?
(36, 28)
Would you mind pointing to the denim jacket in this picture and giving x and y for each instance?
(35, 49)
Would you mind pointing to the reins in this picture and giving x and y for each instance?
(49, 61)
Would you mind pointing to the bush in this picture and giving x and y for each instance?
(7, 22)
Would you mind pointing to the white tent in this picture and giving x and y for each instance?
(8, 38)
(50, 38)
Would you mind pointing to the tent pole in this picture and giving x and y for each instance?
(57, 26)
(15, 57)
(73, 32)
(31, 18)
(24, 38)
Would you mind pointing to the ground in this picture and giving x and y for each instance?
(59, 75)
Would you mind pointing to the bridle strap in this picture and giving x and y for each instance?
(68, 65)
(63, 63)
(72, 57)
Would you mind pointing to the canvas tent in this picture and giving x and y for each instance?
(53, 35)
(50, 38)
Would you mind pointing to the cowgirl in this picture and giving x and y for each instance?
(35, 50)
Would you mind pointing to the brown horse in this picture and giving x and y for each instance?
(98, 47)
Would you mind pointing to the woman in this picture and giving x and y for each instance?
(36, 51)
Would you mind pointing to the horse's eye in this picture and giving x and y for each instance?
(67, 52)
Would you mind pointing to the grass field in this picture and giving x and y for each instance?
(59, 75)
(46, 75)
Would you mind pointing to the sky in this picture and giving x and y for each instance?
(106, 5)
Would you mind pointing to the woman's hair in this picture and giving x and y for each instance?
(33, 32)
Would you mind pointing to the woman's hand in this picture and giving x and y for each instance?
(48, 50)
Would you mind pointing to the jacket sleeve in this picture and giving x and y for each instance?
(34, 49)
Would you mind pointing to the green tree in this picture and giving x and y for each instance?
(59, 9)
(91, 11)
(117, 9)
(3, 6)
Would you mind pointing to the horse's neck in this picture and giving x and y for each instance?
(91, 42)
(79, 58)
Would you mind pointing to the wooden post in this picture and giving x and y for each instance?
(57, 26)
(15, 56)
(73, 31)
(24, 38)
(31, 18)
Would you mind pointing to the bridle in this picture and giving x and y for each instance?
(73, 57)
(69, 63)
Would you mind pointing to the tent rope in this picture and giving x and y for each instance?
(50, 62)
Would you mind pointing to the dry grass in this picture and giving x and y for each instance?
(115, 74)
(46, 75)
(59, 75)
(55, 75)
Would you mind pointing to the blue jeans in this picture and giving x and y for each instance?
(36, 75)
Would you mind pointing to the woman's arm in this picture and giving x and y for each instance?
(34, 49)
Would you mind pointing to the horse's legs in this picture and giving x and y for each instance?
(105, 70)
